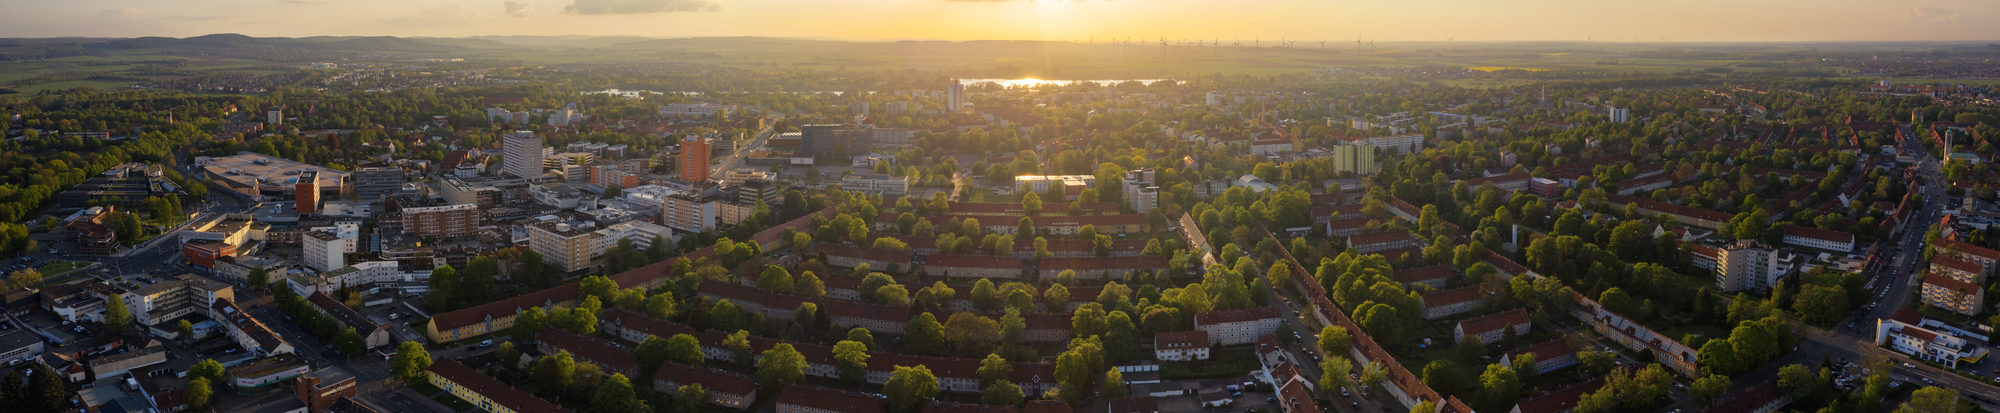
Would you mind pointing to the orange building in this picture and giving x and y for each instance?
(694, 159)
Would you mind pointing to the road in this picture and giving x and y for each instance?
(735, 158)
(1894, 285)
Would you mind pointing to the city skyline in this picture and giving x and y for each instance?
(1056, 20)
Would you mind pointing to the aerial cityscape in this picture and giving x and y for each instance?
(1052, 206)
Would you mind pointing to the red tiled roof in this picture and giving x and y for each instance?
(1423, 274)
(1336, 210)
(1967, 249)
(1350, 222)
(1668, 208)
(1298, 397)
(713, 379)
(1751, 401)
(1384, 237)
(1452, 296)
(500, 393)
(872, 254)
(1097, 263)
(1907, 315)
(1014, 208)
(1503, 264)
(1547, 350)
(1560, 400)
(973, 261)
(829, 399)
(604, 354)
(1956, 264)
(1950, 284)
(1034, 406)
(1235, 316)
(1919, 333)
(1496, 321)
(1178, 340)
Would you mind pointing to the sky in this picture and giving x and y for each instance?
(1305, 21)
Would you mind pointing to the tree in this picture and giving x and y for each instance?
(780, 366)
(184, 330)
(1596, 362)
(1616, 301)
(1443, 375)
(738, 344)
(808, 284)
(117, 316)
(775, 279)
(851, 359)
(1121, 336)
(198, 395)
(971, 334)
(207, 368)
(509, 355)
(908, 387)
(1753, 344)
(1931, 400)
(556, 372)
(1335, 340)
(615, 394)
(691, 398)
(259, 277)
(349, 342)
(1708, 389)
(984, 295)
(1114, 384)
(1002, 393)
(1718, 357)
(1088, 321)
(1073, 376)
(1798, 380)
(861, 335)
(1056, 298)
(662, 306)
(994, 369)
(1333, 375)
(1031, 205)
(410, 363)
(652, 352)
(924, 334)
(1499, 383)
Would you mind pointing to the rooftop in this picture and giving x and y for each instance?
(829, 399)
(1495, 321)
(499, 392)
(1235, 316)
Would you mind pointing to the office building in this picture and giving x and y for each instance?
(171, 299)
(884, 185)
(448, 221)
(692, 212)
(371, 183)
(1749, 265)
(836, 141)
(522, 151)
(694, 159)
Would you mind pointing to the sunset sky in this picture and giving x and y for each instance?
(1080, 20)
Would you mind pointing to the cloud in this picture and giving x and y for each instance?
(640, 6)
(454, 14)
(118, 12)
(1931, 14)
(517, 8)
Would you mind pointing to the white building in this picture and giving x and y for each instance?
(1403, 144)
(1355, 159)
(1749, 265)
(522, 153)
(696, 110)
(1903, 334)
(1620, 115)
(1212, 98)
(1808, 237)
(561, 196)
(1041, 183)
(1180, 345)
(883, 185)
(322, 250)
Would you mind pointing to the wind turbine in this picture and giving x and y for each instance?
(1322, 44)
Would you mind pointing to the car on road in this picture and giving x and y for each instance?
(485, 343)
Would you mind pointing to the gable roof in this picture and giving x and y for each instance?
(1451, 296)
(1235, 316)
(829, 399)
(1495, 321)
(501, 393)
(1559, 400)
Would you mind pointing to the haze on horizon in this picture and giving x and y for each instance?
(1074, 20)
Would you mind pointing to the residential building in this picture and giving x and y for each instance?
(1953, 294)
(1383, 241)
(612, 176)
(725, 388)
(1620, 115)
(696, 110)
(1434, 276)
(1809, 237)
(753, 190)
(246, 330)
(1549, 356)
(1354, 158)
(306, 192)
(373, 334)
(1493, 327)
(1618, 328)
(1040, 184)
(322, 250)
(1903, 333)
(1100, 268)
(558, 195)
(521, 153)
(798, 398)
(1180, 345)
(320, 389)
(974, 266)
(1232, 327)
(1451, 302)
(884, 185)
(609, 357)
(1401, 144)
(692, 212)
(171, 299)
(443, 221)
(954, 97)
(485, 392)
(1948, 266)
(1749, 265)
(694, 166)
(19, 346)
(565, 244)
(1985, 257)
(1559, 401)
(846, 256)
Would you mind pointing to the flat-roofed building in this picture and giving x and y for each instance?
(448, 221)
(565, 244)
(1953, 294)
